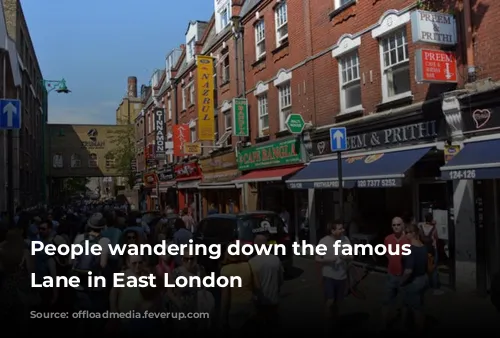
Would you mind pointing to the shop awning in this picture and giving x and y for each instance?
(268, 175)
(188, 184)
(220, 185)
(379, 170)
(477, 160)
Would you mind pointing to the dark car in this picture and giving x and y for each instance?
(224, 229)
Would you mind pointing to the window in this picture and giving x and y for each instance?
(350, 83)
(76, 161)
(192, 132)
(260, 39)
(228, 120)
(216, 122)
(191, 94)
(225, 69)
(93, 163)
(169, 107)
(224, 18)
(281, 18)
(395, 65)
(57, 160)
(263, 114)
(150, 123)
(285, 103)
(191, 48)
(110, 162)
(340, 3)
(184, 98)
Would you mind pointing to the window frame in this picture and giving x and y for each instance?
(192, 134)
(284, 111)
(262, 101)
(260, 43)
(76, 158)
(91, 160)
(400, 65)
(281, 38)
(355, 82)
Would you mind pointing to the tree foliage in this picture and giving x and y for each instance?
(123, 152)
(74, 186)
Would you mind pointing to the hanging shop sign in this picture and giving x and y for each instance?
(181, 135)
(160, 126)
(150, 179)
(273, 154)
(481, 119)
(405, 134)
(240, 117)
(187, 171)
(433, 27)
(205, 93)
(167, 174)
(435, 66)
(218, 163)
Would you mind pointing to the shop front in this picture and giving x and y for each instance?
(149, 192)
(391, 168)
(474, 169)
(218, 191)
(166, 188)
(188, 176)
(265, 168)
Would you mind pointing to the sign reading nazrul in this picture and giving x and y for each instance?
(160, 132)
(433, 27)
(205, 93)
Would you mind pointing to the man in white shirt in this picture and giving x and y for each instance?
(334, 268)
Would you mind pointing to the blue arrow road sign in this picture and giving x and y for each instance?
(10, 114)
(338, 139)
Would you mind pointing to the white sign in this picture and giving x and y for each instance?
(160, 132)
(433, 27)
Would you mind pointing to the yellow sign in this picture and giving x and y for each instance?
(450, 151)
(205, 92)
(192, 149)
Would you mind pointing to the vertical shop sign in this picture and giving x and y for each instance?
(240, 117)
(205, 93)
(159, 116)
(181, 135)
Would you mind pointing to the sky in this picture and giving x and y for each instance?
(96, 44)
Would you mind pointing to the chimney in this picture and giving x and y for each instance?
(132, 86)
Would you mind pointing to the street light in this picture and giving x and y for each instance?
(59, 86)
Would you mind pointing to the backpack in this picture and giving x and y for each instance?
(85, 263)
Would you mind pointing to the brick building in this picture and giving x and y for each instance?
(29, 181)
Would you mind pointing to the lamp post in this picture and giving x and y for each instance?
(59, 86)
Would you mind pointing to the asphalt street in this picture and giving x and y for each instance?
(302, 305)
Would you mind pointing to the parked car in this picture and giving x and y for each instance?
(223, 229)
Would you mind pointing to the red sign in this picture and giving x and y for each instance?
(150, 179)
(187, 171)
(149, 152)
(180, 135)
(436, 66)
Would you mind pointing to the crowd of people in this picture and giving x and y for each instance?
(191, 310)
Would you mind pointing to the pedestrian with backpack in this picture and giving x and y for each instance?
(428, 235)
(93, 299)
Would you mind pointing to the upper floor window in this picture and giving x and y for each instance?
(285, 103)
(57, 160)
(192, 134)
(191, 96)
(350, 83)
(110, 162)
(263, 114)
(93, 163)
(76, 161)
(169, 107)
(395, 61)
(228, 120)
(225, 69)
(191, 48)
(340, 3)
(260, 39)
(184, 98)
(281, 18)
(224, 18)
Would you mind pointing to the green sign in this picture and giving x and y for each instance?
(270, 155)
(240, 117)
(295, 123)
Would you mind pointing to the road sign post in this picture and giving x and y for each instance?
(338, 144)
(295, 123)
(10, 114)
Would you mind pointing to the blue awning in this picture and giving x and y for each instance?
(477, 160)
(379, 170)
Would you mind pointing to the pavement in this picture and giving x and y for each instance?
(302, 303)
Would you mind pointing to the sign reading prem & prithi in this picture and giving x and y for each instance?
(433, 27)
